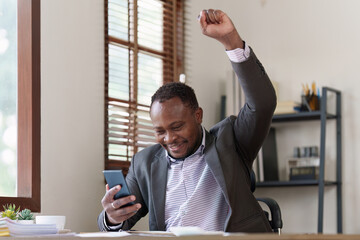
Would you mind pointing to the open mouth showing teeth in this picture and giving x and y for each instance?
(175, 147)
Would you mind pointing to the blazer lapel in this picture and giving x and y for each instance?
(159, 169)
(213, 161)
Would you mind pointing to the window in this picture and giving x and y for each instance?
(8, 82)
(27, 193)
(143, 50)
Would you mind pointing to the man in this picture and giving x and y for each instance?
(193, 177)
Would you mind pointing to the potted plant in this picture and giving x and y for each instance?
(10, 211)
(26, 217)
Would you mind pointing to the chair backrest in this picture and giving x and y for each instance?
(276, 220)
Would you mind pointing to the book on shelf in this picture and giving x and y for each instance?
(304, 173)
(287, 107)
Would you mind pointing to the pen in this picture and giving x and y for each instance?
(307, 90)
(313, 88)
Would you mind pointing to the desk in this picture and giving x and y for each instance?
(205, 237)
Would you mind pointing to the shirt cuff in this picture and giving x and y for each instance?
(239, 55)
(112, 228)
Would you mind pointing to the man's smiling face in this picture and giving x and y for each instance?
(177, 126)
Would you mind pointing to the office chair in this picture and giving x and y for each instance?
(276, 220)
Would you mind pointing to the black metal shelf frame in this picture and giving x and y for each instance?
(323, 116)
(297, 183)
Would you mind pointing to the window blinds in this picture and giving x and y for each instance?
(143, 49)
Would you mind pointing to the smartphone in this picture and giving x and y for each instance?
(116, 177)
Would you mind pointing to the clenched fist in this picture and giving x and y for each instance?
(216, 24)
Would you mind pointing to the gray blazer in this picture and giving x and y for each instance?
(230, 149)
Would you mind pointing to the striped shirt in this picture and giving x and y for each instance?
(193, 198)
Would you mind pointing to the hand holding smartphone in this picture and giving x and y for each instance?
(114, 178)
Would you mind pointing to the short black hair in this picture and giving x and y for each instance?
(176, 89)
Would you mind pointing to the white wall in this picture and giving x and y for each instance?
(72, 111)
(298, 41)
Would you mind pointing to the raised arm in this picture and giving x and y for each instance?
(254, 119)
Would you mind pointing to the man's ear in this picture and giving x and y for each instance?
(199, 115)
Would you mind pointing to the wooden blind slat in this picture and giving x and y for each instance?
(121, 130)
(124, 143)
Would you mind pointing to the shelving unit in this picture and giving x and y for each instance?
(323, 116)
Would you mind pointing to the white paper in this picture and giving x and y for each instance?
(16, 228)
(189, 231)
(103, 234)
